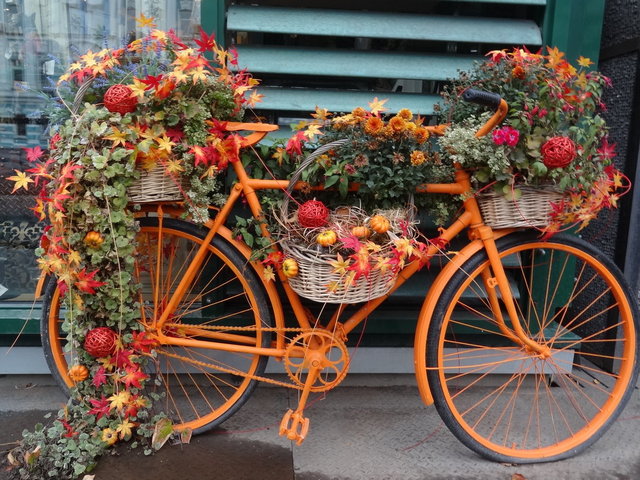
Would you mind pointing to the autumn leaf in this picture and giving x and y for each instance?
(174, 166)
(100, 377)
(351, 242)
(360, 266)
(254, 99)
(85, 282)
(268, 273)
(100, 408)
(280, 155)
(119, 400)
(584, 62)
(142, 342)
(143, 21)
(294, 145)
(125, 429)
(321, 114)
(376, 106)
(117, 137)
(340, 265)
(607, 150)
(518, 476)
(312, 131)
(133, 377)
(205, 42)
(34, 153)
(151, 81)
(21, 179)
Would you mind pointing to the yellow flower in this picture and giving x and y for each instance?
(417, 158)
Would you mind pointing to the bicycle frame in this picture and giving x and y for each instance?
(481, 236)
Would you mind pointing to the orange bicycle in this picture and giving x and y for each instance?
(521, 367)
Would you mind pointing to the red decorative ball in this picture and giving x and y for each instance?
(119, 99)
(558, 152)
(100, 342)
(313, 213)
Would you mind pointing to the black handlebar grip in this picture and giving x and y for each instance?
(486, 99)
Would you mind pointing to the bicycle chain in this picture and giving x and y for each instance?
(229, 370)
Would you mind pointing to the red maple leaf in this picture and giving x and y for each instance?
(53, 141)
(34, 153)
(99, 378)
(175, 39)
(100, 407)
(70, 431)
(151, 82)
(218, 128)
(123, 358)
(85, 282)
(133, 377)
(294, 145)
(198, 61)
(229, 150)
(607, 150)
(352, 243)
(142, 342)
(175, 134)
(67, 171)
(205, 42)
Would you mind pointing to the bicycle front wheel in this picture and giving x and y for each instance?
(197, 387)
(509, 403)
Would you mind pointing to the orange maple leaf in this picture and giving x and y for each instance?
(376, 106)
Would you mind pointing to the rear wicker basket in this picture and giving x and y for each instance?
(532, 209)
(155, 185)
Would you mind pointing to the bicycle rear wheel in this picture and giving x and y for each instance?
(513, 405)
(199, 387)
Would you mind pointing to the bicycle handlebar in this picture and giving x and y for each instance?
(490, 100)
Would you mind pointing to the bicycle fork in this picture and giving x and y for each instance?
(496, 281)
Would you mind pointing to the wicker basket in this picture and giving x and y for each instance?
(315, 274)
(316, 279)
(155, 186)
(532, 209)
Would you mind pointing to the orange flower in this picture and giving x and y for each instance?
(421, 134)
(397, 124)
(405, 114)
(518, 72)
(359, 113)
(417, 158)
(373, 125)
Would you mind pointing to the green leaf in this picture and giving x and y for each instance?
(332, 180)
(161, 433)
(343, 187)
(99, 161)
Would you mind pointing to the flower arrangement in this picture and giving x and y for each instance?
(154, 104)
(553, 134)
(384, 158)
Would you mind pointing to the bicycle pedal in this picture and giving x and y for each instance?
(294, 426)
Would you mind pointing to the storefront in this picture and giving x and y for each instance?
(339, 60)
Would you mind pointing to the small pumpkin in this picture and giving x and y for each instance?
(326, 238)
(379, 224)
(78, 373)
(93, 239)
(290, 268)
(109, 436)
(360, 231)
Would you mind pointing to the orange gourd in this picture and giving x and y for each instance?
(379, 224)
(360, 231)
(326, 238)
(78, 373)
(93, 239)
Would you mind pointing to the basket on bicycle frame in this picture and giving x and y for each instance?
(533, 208)
(317, 279)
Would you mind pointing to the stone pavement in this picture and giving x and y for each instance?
(372, 427)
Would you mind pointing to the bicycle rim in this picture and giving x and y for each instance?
(198, 388)
(513, 405)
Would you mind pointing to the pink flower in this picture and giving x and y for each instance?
(507, 135)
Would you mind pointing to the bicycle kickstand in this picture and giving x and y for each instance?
(294, 424)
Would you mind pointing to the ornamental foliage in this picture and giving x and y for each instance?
(156, 103)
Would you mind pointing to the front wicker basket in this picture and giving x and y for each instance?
(155, 185)
(532, 209)
(316, 275)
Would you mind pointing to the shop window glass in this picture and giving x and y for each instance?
(38, 38)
